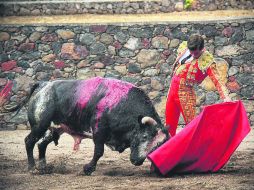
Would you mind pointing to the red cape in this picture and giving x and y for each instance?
(206, 143)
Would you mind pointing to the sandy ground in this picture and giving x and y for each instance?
(175, 17)
(114, 170)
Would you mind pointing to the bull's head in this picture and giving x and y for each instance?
(149, 136)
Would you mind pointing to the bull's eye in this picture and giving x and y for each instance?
(144, 136)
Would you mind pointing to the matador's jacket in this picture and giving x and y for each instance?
(181, 96)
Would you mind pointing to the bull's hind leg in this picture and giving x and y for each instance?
(51, 135)
(30, 140)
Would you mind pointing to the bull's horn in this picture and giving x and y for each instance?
(148, 120)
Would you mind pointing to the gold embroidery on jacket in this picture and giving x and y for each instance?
(215, 77)
(205, 61)
(187, 99)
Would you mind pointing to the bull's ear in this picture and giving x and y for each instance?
(148, 121)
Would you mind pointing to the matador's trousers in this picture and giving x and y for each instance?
(180, 99)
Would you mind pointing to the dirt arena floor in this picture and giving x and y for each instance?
(114, 170)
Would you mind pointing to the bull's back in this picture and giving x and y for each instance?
(81, 101)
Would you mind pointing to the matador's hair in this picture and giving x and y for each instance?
(195, 42)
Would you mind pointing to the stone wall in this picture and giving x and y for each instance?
(61, 7)
(141, 54)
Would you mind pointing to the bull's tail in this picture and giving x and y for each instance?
(18, 107)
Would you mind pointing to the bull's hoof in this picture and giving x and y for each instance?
(31, 167)
(42, 164)
(88, 169)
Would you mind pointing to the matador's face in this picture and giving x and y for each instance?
(196, 53)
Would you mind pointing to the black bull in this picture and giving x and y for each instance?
(109, 111)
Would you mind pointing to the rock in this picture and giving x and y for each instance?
(148, 58)
(212, 7)
(152, 95)
(98, 28)
(4, 36)
(134, 68)
(249, 106)
(156, 84)
(111, 50)
(82, 64)
(121, 37)
(228, 31)
(174, 43)
(68, 69)
(209, 31)
(250, 35)
(57, 74)
(9, 65)
(98, 65)
(150, 73)
(121, 69)
(233, 86)
(20, 118)
(160, 42)
(107, 60)
(49, 38)
(3, 58)
(247, 92)
(23, 83)
(85, 73)
(145, 43)
(200, 97)
(71, 51)
(237, 36)
(56, 47)
(141, 32)
(87, 39)
(233, 70)
(220, 41)
(245, 79)
(59, 64)
(24, 64)
(42, 76)
(133, 44)
(26, 47)
(97, 49)
(44, 48)
(106, 39)
(49, 58)
(179, 6)
(20, 38)
(29, 72)
(160, 106)
(126, 53)
(41, 29)
(211, 98)
(65, 34)
(3, 82)
(229, 50)
(81, 51)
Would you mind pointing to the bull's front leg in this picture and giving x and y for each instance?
(98, 152)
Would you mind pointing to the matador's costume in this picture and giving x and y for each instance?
(181, 97)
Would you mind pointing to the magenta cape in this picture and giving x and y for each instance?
(206, 143)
